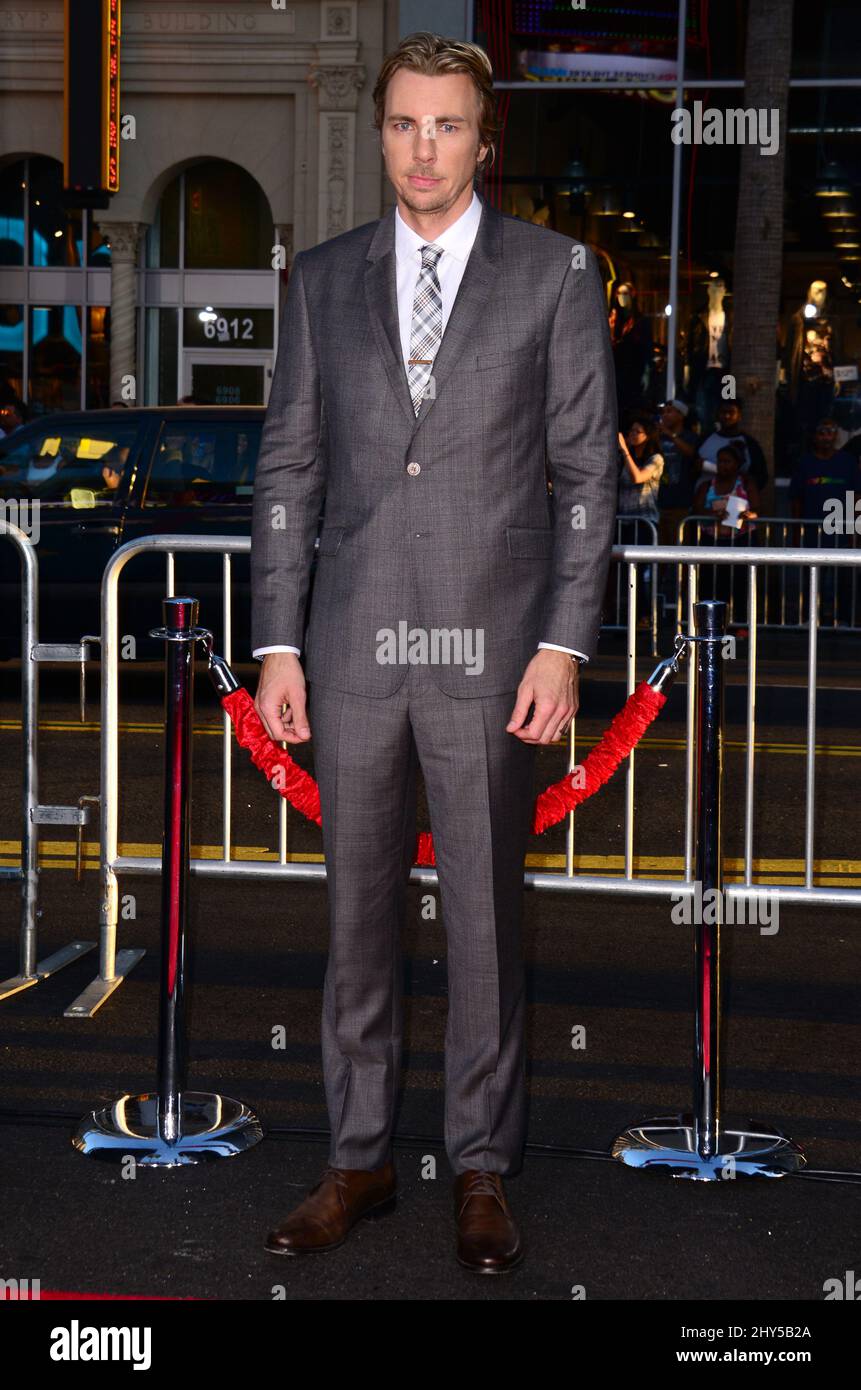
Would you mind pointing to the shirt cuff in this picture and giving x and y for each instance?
(260, 652)
(552, 646)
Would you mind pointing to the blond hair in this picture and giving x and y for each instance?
(432, 55)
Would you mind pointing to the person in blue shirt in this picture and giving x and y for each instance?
(823, 491)
(825, 474)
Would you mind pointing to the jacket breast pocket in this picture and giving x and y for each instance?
(520, 357)
(529, 542)
(330, 539)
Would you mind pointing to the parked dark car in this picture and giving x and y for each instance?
(105, 477)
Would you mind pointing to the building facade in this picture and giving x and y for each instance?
(246, 135)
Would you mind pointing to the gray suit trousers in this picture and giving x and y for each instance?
(479, 783)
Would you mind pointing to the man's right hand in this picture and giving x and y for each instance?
(282, 683)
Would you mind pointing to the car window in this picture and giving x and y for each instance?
(79, 466)
(197, 464)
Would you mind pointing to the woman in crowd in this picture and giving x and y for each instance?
(640, 467)
(732, 499)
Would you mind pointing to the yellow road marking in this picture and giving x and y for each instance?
(585, 862)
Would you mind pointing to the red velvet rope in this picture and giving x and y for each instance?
(300, 789)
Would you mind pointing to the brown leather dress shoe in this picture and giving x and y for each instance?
(334, 1204)
(488, 1241)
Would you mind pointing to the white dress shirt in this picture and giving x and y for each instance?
(456, 242)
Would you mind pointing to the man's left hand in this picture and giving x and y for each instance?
(551, 683)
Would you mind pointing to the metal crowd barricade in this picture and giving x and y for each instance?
(30, 969)
(782, 600)
(633, 530)
(114, 964)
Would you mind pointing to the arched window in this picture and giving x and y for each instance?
(213, 216)
(210, 289)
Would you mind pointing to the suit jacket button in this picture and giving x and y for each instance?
(414, 469)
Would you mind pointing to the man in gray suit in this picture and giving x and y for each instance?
(433, 368)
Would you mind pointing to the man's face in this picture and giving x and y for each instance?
(671, 417)
(826, 435)
(430, 138)
(729, 415)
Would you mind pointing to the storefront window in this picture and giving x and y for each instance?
(820, 330)
(98, 248)
(214, 346)
(162, 356)
(826, 39)
(12, 193)
(48, 371)
(597, 166)
(218, 214)
(55, 358)
(11, 353)
(227, 219)
(596, 163)
(56, 232)
(98, 357)
(163, 236)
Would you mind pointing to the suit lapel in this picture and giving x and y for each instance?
(480, 279)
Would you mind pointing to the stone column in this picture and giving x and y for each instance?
(337, 100)
(124, 238)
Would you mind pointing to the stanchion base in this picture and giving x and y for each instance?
(210, 1127)
(744, 1148)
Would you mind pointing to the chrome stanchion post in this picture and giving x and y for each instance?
(703, 1144)
(173, 1126)
(180, 619)
(710, 618)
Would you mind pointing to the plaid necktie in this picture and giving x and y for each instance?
(426, 331)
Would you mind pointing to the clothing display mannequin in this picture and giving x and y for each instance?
(707, 356)
(811, 348)
(631, 338)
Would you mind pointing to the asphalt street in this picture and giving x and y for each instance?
(615, 966)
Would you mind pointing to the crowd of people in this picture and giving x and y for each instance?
(669, 469)
(668, 472)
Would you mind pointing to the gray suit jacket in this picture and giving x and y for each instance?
(470, 540)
